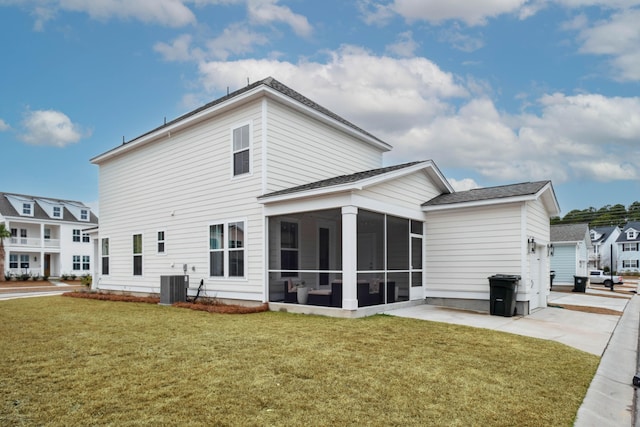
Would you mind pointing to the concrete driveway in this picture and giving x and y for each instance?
(611, 398)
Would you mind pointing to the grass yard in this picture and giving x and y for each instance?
(70, 361)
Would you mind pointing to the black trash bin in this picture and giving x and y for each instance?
(579, 283)
(552, 275)
(502, 294)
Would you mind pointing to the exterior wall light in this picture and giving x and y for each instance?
(532, 245)
(550, 249)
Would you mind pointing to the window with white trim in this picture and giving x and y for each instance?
(105, 256)
(84, 215)
(86, 262)
(227, 248)
(86, 238)
(629, 247)
(57, 212)
(24, 261)
(76, 262)
(241, 151)
(137, 254)
(630, 263)
(76, 235)
(161, 242)
(13, 261)
(47, 234)
(27, 209)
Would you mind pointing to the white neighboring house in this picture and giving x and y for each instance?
(49, 237)
(263, 189)
(628, 243)
(571, 248)
(604, 246)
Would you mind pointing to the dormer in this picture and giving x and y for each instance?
(632, 234)
(595, 235)
(79, 211)
(22, 205)
(53, 208)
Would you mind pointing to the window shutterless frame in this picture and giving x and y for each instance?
(241, 150)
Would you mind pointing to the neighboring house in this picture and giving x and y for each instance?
(571, 248)
(629, 248)
(48, 236)
(604, 247)
(263, 189)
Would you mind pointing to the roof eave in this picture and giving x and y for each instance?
(250, 95)
(479, 203)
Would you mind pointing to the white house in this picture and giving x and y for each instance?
(49, 237)
(263, 189)
(571, 248)
(628, 243)
(604, 246)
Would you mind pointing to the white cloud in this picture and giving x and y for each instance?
(353, 83)
(171, 13)
(4, 126)
(463, 184)
(405, 45)
(50, 128)
(235, 39)
(456, 38)
(267, 11)
(179, 49)
(617, 37)
(471, 12)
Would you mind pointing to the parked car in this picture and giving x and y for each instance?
(603, 278)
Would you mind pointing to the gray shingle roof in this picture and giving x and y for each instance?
(569, 232)
(276, 85)
(7, 209)
(339, 180)
(488, 193)
(604, 232)
(623, 236)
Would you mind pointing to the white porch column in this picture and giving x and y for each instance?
(349, 257)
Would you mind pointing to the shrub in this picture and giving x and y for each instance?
(25, 276)
(8, 275)
(86, 280)
(64, 276)
(35, 277)
(72, 276)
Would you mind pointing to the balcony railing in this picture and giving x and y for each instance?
(34, 242)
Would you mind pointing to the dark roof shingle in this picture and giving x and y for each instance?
(569, 232)
(339, 180)
(488, 193)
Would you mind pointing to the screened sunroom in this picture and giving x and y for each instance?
(345, 258)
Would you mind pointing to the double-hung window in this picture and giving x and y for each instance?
(57, 212)
(27, 209)
(241, 151)
(86, 262)
(161, 242)
(84, 215)
(13, 261)
(227, 248)
(86, 238)
(76, 235)
(76, 262)
(137, 254)
(24, 261)
(105, 256)
(630, 263)
(629, 247)
(289, 248)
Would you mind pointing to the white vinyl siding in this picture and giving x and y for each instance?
(187, 187)
(303, 151)
(466, 246)
(408, 192)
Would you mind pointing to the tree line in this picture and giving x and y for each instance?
(608, 215)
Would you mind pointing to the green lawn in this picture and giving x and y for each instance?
(69, 361)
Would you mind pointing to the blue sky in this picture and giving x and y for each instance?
(495, 92)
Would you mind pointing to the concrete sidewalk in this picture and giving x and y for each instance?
(610, 400)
